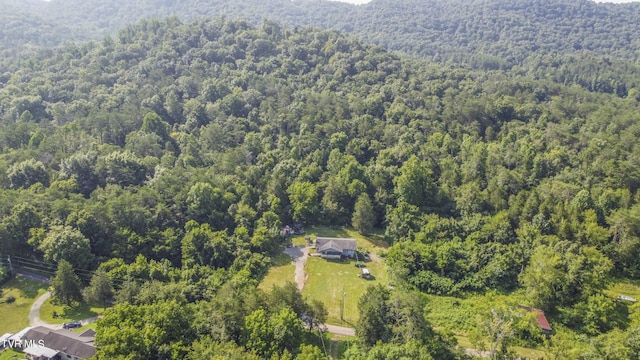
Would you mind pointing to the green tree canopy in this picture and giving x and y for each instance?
(67, 243)
(65, 285)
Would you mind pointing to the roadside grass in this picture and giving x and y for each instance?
(332, 345)
(15, 316)
(282, 271)
(66, 314)
(338, 344)
(329, 281)
(10, 354)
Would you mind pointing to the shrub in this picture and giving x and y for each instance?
(10, 299)
(4, 275)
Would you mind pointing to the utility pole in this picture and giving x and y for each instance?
(344, 294)
(10, 266)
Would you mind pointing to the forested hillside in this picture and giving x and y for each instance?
(594, 45)
(504, 31)
(168, 155)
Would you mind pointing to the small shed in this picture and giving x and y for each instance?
(365, 273)
(541, 319)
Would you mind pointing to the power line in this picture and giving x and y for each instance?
(47, 268)
(51, 265)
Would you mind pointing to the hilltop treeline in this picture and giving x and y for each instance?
(590, 44)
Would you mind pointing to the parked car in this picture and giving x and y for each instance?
(72, 325)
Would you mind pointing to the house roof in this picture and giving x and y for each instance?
(64, 341)
(19, 335)
(340, 244)
(540, 318)
(88, 333)
(40, 351)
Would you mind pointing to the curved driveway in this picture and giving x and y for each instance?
(34, 313)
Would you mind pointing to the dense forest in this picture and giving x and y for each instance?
(166, 157)
(581, 42)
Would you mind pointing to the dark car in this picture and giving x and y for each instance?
(72, 325)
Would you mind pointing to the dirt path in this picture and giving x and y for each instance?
(299, 255)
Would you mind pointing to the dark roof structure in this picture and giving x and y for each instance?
(88, 333)
(541, 319)
(340, 244)
(64, 341)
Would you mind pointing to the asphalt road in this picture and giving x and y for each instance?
(32, 276)
(340, 330)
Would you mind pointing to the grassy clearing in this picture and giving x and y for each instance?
(80, 312)
(282, 271)
(624, 287)
(629, 288)
(15, 316)
(459, 315)
(329, 280)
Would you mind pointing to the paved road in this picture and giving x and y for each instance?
(32, 276)
(340, 330)
(299, 254)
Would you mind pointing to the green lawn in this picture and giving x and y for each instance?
(10, 354)
(81, 312)
(92, 325)
(282, 271)
(15, 316)
(329, 280)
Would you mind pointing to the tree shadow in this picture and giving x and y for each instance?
(26, 287)
(281, 259)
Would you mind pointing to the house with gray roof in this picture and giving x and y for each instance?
(335, 248)
(42, 343)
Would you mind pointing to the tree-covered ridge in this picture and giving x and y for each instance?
(505, 31)
(189, 144)
(581, 42)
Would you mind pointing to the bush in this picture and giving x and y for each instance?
(9, 299)
(4, 276)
